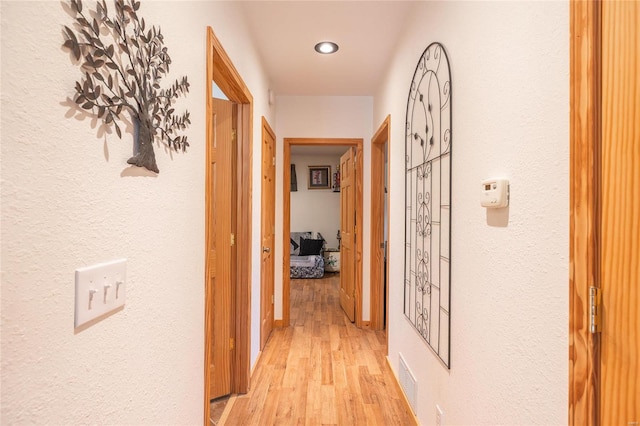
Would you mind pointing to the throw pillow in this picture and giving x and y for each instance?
(310, 247)
(294, 242)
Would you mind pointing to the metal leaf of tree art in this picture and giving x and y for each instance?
(123, 62)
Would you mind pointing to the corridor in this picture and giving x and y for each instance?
(321, 369)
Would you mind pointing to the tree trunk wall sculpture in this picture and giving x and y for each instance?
(123, 62)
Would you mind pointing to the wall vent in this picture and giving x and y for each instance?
(408, 384)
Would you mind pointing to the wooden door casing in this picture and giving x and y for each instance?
(220, 69)
(347, 231)
(604, 211)
(379, 298)
(584, 128)
(268, 220)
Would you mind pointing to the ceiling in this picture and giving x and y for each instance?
(285, 33)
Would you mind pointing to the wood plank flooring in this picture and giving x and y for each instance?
(321, 370)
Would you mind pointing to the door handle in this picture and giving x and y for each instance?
(266, 249)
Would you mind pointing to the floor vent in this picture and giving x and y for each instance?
(408, 384)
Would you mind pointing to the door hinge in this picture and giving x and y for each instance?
(232, 344)
(272, 299)
(595, 309)
(274, 161)
(233, 239)
(234, 135)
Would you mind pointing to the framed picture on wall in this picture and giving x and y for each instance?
(319, 177)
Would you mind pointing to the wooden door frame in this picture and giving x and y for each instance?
(286, 219)
(379, 298)
(585, 101)
(266, 129)
(221, 70)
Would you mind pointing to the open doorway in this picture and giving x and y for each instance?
(357, 144)
(227, 266)
(379, 226)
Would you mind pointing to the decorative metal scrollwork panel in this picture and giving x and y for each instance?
(428, 201)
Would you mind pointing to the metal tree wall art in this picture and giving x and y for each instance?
(123, 62)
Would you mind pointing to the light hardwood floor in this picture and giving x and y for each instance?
(321, 369)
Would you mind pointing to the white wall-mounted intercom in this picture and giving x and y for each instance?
(495, 193)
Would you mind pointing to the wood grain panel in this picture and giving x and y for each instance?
(378, 295)
(322, 369)
(348, 232)
(620, 214)
(242, 363)
(219, 273)
(359, 230)
(268, 218)
(210, 160)
(584, 130)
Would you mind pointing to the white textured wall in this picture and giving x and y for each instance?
(324, 117)
(509, 289)
(69, 200)
(315, 209)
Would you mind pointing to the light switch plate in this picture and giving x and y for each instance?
(100, 289)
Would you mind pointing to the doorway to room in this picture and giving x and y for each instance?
(227, 231)
(357, 144)
(379, 226)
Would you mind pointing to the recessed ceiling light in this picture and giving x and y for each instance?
(326, 47)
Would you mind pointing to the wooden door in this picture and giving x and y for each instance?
(347, 231)
(379, 217)
(605, 212)
(268, 230)
(219, 241)
(619, 393)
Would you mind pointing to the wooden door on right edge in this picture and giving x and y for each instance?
(619, 226)
(347, 232)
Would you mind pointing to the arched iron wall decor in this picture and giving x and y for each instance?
(428, 201)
